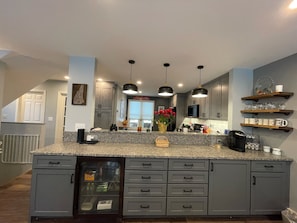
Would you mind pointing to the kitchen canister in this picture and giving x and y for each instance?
(265, 121)
(266, 149)
(279, 88)
(276, 151)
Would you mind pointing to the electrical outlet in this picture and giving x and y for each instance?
(219, 141)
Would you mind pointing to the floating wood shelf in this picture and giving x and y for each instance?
(271, 95)
(286, 129)
(279, 111)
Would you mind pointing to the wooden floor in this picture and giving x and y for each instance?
(14, 208)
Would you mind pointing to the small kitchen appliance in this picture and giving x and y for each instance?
(237, 140)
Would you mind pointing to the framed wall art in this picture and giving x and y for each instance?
(79, 94)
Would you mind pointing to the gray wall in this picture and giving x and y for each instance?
(284, 72)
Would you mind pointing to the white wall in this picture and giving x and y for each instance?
(81, 71)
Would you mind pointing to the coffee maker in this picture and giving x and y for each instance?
(237, 140)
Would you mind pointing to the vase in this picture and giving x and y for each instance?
(162, 127)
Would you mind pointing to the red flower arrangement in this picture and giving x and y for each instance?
(165, 116)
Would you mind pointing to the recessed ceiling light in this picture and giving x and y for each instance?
(139, 82)
(139, 92)
(293, 4)
(66, 77)
(99, 79)
(180, 85)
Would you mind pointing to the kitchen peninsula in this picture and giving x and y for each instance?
(191, 179)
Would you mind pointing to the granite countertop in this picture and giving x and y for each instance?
(151, 151)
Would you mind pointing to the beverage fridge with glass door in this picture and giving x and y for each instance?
(99, 187)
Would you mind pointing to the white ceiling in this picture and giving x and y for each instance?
(219, 34)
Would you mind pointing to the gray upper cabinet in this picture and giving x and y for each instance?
(229, 187)
(204, 107)
(218, 96)
(269, 187)
(52, 187)
(104, 99)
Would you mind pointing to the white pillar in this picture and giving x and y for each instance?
(240, 85)
(81, 71)
(2, 79)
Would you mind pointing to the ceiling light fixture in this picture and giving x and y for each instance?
(165, 90)
(293, 4)
(130, 88)
(199, 92)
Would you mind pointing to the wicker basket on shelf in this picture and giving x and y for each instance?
(162, 141)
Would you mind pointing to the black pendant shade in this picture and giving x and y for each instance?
(199, 92)
(130, 88)
(165, 90)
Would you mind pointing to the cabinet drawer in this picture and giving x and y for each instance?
(185, 190)
(188, 164)
(145, 177)
(146, 164)
(187, 206)
(144, 206)
(266, 166)
(54, 162)
(145, 190)
(187, 177)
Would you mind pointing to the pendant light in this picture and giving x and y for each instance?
(165, 90)
(130, 88)
(199, 92)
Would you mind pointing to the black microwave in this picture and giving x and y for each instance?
(193, 111)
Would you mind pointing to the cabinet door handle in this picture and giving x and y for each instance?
(54, 163)
(187, 206)
(268, 166)
(144, 206)
(145, 190)
(188, 164)
(145, 177)
(188, 191)
(188, 178)
(254, 180)
(72, 179)
(146, 164)
(211, 166)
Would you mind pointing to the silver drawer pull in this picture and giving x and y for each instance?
(54, 163)
(188, 191)
(144, 206)
(145, 190)
(146, 177)
(188, 178)
(268, 166)
(146, 164)
(187, 206)
(188, 164)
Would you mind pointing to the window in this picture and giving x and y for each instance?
(140, 113)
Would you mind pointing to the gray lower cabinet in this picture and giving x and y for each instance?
(269, 187)
(145, 187)
(229, 187)
(187, 190)
(52, 187)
